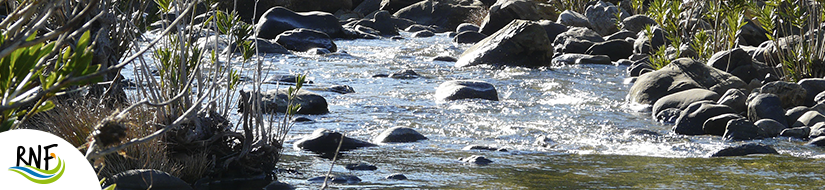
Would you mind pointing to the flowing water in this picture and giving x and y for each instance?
(581, 108)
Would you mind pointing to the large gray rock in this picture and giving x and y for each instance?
(468, 37)
(813, 86)
(141, 179)
(467, 27)
(742, 129)
(615, 49)
(681, 100)
(573, 19)
(770, 127)
(394, 5)
(504, 12)
(734, 98)
(718, 124)
(809, 119)
(278, 19)
(520, 43)
(637, 23)
(793, 114)
(745, 149)
(796, 132)
(324, 141)
(466, 89)
(302, 39)
(602, 17)
(399, 135)
(380, 21)
(367, 6)
(445, 16)
(691, 121)
(646, 44)
(751, 34)
(731, 60)
(681, 74)
(578, 33)
(552, 29)
(766, 106)
(791, 94)
(819, 141)
(817, 130)
(276, 101)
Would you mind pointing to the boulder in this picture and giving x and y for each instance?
(392, 6)
(751, 34)
(793, 114)
(520, 43)
(552, 29)
(504, 12)
(443, 15)
(602, 17)
(418, 27)
(734, 98)
(637, 23)
(405, 74)
(681, 100)
(809, 119)
(573, 19)
(277, 185)
(467, 27)
(340, 179)
(820, 98)
(763, 106)
(279, 19)
(791, 94)
(796, 132)
(819, 141)
(615, 49)
(813, 87)
(276, 101)
(622, 35)
(361, 166)
(692, 119)
(381, 22)
(770, 127)
(318, 51)
(669, 115)
(397, 176)
(578, 33)
(423, 34)
(730, 60)
(476, 159)
(576, 46)
(140, 179)
(263, 45)
(681, 74)
(445, 58)
(469, 37)
(367, 6)
(302, 39)
(745, 149)
(646, 44)
(329, 6)
(323, 141)
(742, 129)
(575, 58)
(341, 89)
(817, 130)
(466, 89)
(639, 67)
(718, 124)
(487, 148)
(399, 135)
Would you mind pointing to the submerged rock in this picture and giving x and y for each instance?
(305, 39)
(324, 141)
(476, 159)
(397, 176)
(445, 58)
(276, 101)
(340, 179)
(520, 43)
(341, 89)
(745, 149)
(466, 89)
(399, 135)
(405, 74)
(361, 166)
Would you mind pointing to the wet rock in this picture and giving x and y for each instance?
(504, 12)
(301, 119)
(650, 44)
(763, 106)
(263, 45)
(742, 129)
(796, 132)
(441, 14)
(341, 89)
(615, 49)
(361, 166)
(681, 100)
(466, 89)
(791, 94)
(745, 149)
(469, 37)
(305, 39)
(668, 115)
(405, 74)
(279, 19)
(544, 141)
(642, 132)
(399, 135)
(423, 34)
(381, 21)
(575, 58)
(145, 179)
(817, 130)
(291, 79)
(467, 27)
(813, 87)
(734, 98)
(809, 119)
(770, 127)
(602, 17)
(418, 28)
(340, 179)
(692, 119)
(380, 75)
(324, 141)
(573, 46)
(318, 51)
(730, 60)
(276, 101)
(476, 159)
(445, 58)
(573, 19)
(277, 185)
(637, 23)
(679, 75)
(520, 43)
(718, 124)
(397, 176)
(483, 148)
(552, 29)
(819, 141)
(793, 114)
(751, 34)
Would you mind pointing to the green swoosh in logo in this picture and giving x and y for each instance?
(53, 173)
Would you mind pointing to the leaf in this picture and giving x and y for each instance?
(6, 125)
(46, 106)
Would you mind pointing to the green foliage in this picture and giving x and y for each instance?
(802, 60)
